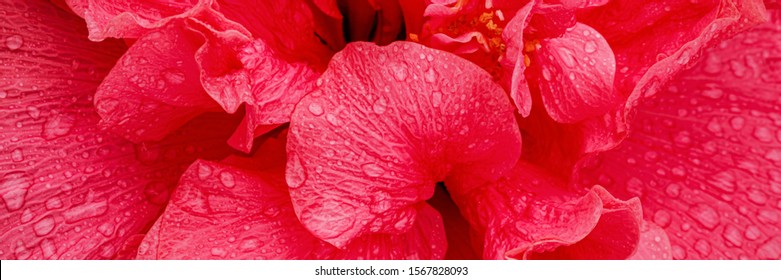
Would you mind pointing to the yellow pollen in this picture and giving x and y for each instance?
(530, 46)
(526, 60)
(413, 37)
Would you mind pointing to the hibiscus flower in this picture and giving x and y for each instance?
(304, 130)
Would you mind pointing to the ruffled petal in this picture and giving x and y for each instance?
(367, 147)
(69, 189)
(155, 87)
(287, 27)
(575, 74)
(704, 153)
(531, 215)
(237, 69)
(131, 19)
(654, 40)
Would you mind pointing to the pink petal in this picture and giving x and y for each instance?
(530, 214)
(131, 19)
(575, 74)
(223, 212)
(704, 156)
(457, 227)
(70, 190)
(236, 70)
(246, 213)
(367, 146)
(654, 244)
(287, 27)
(513, 63)
(155, 87)
(654, 40)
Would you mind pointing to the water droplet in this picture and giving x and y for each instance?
(56, 126)
(372, 170)
(87, 210)
(48, 248)
(763, 134)
(250, 244)
(333, 120)
(173, 76)
(752, 233)
(53, 203)
(380, 105)
(315, 109)
(673, 190)
(590, 47)
(295, 174)
(13, 189)
(733, 236)
(713, 93)
(44, 226)
(705, 215)
(14, 42)
(219, 252)
(399, 72)
(737, 123)
(436, 98)
(662, 218)
(546, 74)
(771, 250)
(107, 229)
(17, 155)
(757, 196)
(703, 247)
(227, 179)
(27, 216)
(724, 181)
(204, 171)
(33, 112)
(767, 216)
(430, 75)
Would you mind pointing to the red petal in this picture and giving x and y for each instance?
(222, 212)
(130, 19)
(703, 154)
(287, 27)
(654, 40)
(654, 244)
(575, 74)
(367, 147)
(457, 228)
(425, 240)
(514, 63)
(529, 214)
(155, 87)
(70, 190)
(246, 213)
(238, 70)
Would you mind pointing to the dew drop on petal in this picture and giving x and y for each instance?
(227, 179)
(372, 170)
(380, 105)
(14, 42)
(590, 47)
(295, 174)
(44, 226)
(13, 189)
(316, 109)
